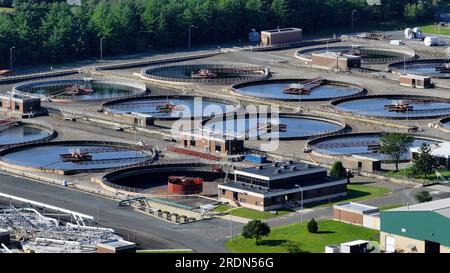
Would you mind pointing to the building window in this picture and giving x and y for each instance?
(17, 107)
(223, 192)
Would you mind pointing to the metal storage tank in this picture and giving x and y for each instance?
(409, 34)
(431, 41)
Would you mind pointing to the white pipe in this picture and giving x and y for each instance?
(39, 204)
(6, 249)
(89, 228)
(40, 215)
(45, 240)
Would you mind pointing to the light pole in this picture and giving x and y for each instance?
(101, 48)
(191, 26)
(98, 193)
(11, 57)
(301, 203)
(231, 225)
(353, 14)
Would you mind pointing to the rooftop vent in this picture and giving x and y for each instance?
(285, 166)
(310, 166)
(291, 161)
(276, 164)
(277, 171)
(259, 167)
(293, 168)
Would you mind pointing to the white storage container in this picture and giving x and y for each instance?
(332, 249)
(431, 41)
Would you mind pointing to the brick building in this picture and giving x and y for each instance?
(281, 36)
(277, 185)
(212, 143)
(335, 60)
(20, 104)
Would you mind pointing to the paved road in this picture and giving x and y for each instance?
(149, 232)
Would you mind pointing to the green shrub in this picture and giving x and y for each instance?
(313, 227)
(338, 170)
(292, 247)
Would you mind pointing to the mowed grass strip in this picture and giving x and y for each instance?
(357, 192)
(145, 251)
(330, 233)
(258, 215)
(435, 29)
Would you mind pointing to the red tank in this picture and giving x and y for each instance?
(185, 185)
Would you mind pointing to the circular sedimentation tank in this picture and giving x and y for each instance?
(394, 106)
(361, 144)
(205, 72)
(15, 133)
(302, 89)
(66, 157)
(154, 179)
(81, 89)
(170, 107)
(369, 54)
(283, 127)
(436, 68)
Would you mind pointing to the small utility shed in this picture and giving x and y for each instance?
(281, 36)
(357, 214)
(421, 228)
(416, 81)
(116, 246)
(362, 163)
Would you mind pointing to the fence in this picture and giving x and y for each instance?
(395, 53)
(29, 88)
(157, 61)
(172, 164)
(247, 72)
(19, 78)
(291, 45)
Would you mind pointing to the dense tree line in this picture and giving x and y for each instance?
(52, 31)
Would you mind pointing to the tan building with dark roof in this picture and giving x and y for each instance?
(281, 36)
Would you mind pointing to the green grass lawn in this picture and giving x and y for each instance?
(164, 251)
(330, 233)
(356, 192)
(408, 173)
(258, 215)
(434, 29)
(390, 206)
(222, 208)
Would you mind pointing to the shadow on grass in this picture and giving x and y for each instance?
(272, 242)
(355, 194)
(325, 232)
(361, 183)
(351, 194)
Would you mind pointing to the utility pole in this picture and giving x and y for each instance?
(301, 203)
(231, 224)
(353, 14)
(98, 192)
(11, 57)
(191, 26)
(101, 48)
